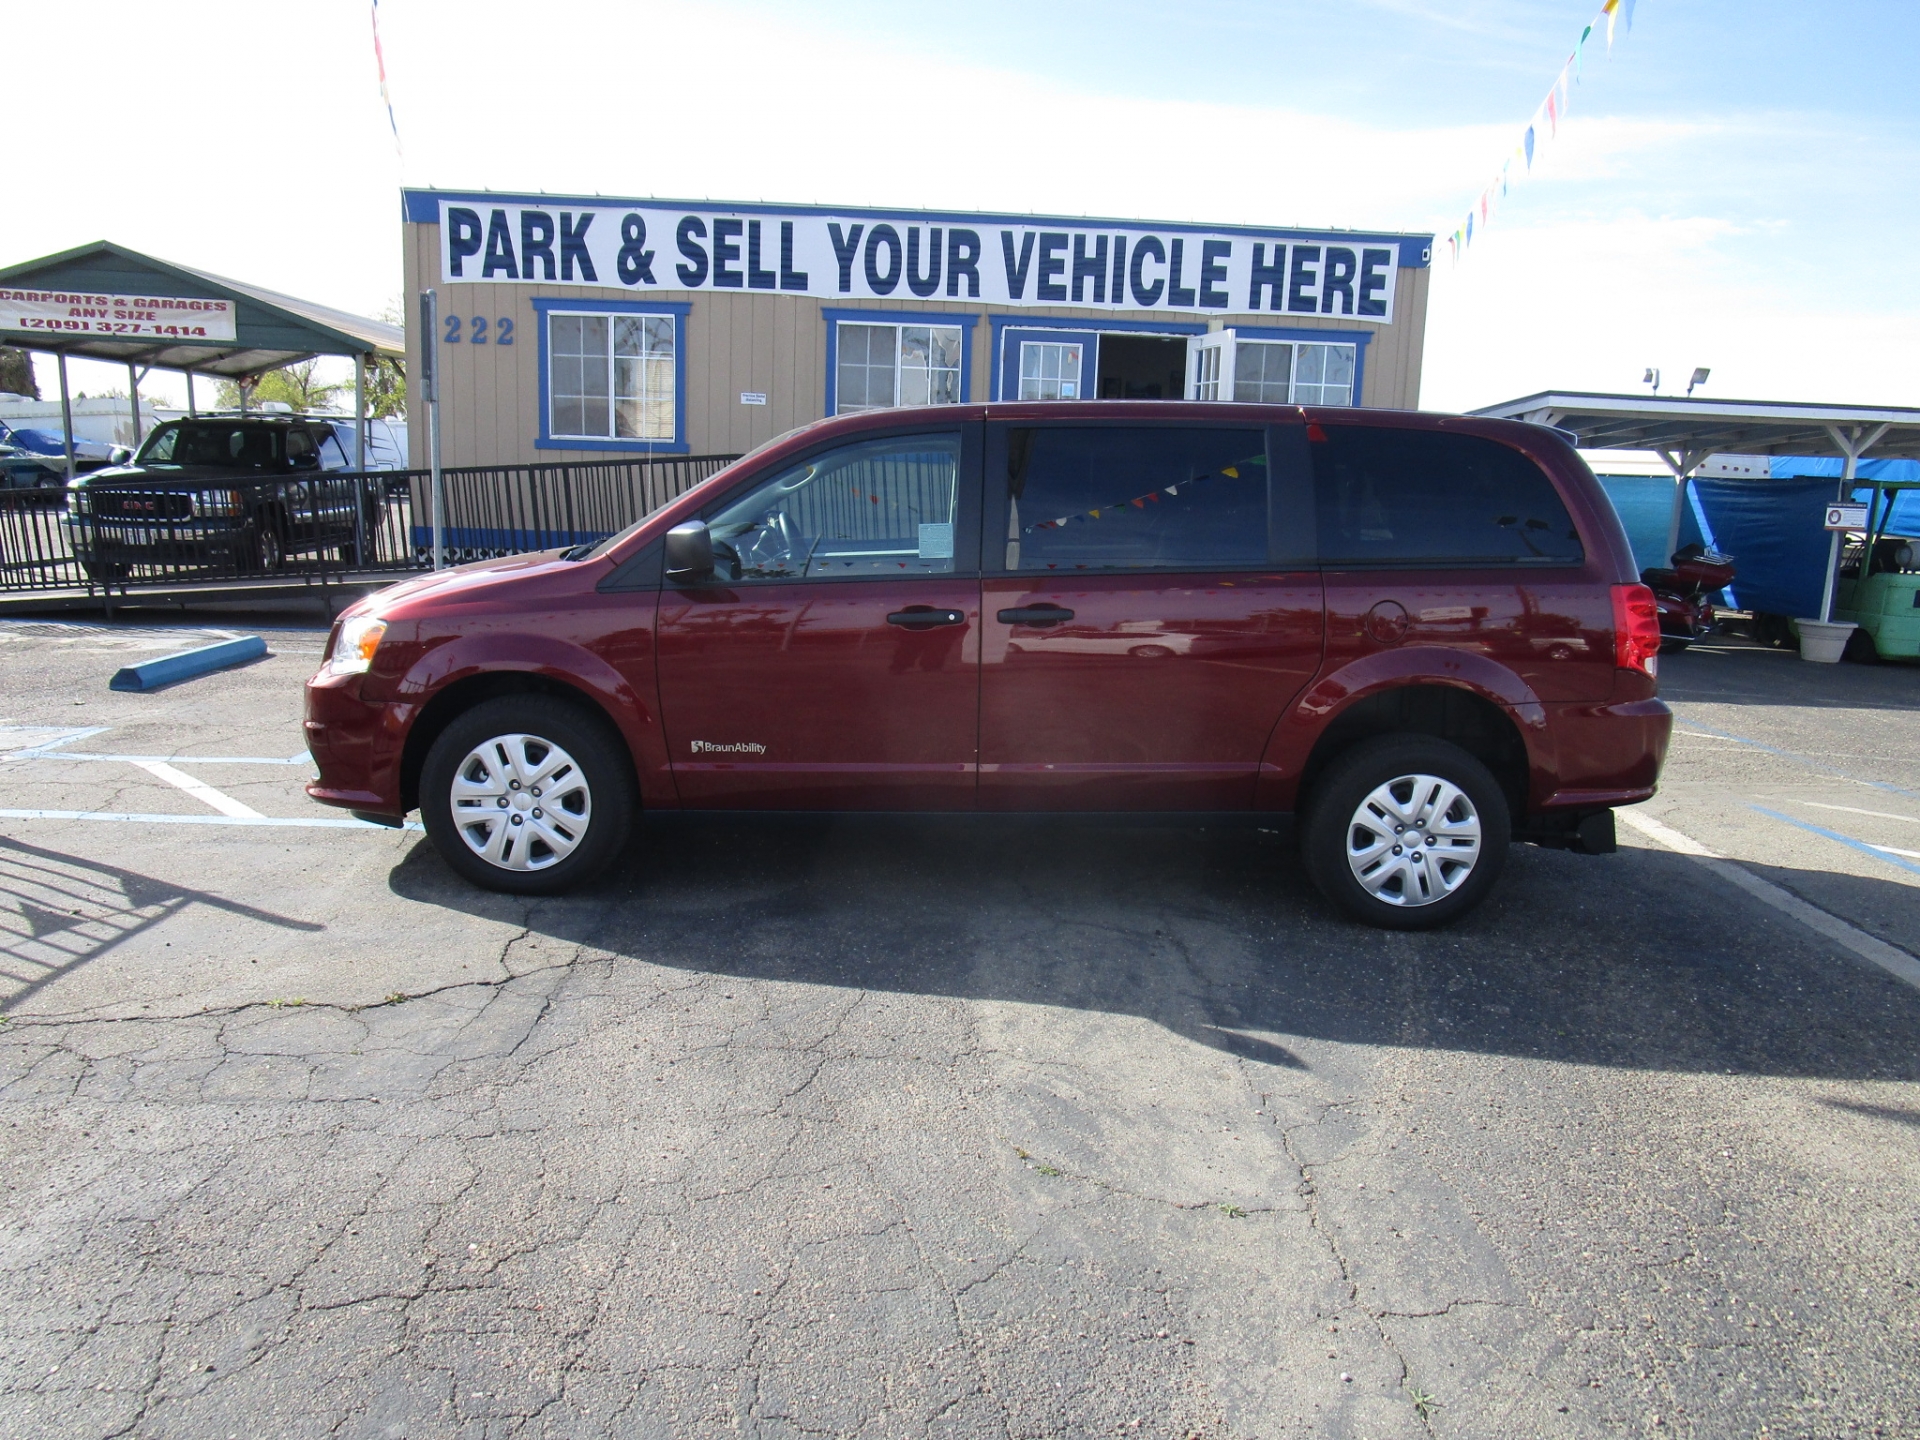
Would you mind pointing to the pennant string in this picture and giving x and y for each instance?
(1555, 107)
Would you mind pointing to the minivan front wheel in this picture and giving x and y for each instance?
(527, 795)
(1406, 832)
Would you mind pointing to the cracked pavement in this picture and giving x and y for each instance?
(888, 1128)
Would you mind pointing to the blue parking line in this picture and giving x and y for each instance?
(1862, 846)
(1800, 760)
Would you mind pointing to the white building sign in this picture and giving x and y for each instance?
(141, 317)
(891, 256)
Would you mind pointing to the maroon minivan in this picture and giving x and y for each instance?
(1419, 634)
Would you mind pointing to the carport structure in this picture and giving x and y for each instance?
(1683, 431)
(81, 302)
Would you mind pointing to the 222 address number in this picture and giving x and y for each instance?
(477, 330)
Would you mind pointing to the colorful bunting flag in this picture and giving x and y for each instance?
(380, 64)
(1556, 106)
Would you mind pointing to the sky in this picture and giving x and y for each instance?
(1734, 186)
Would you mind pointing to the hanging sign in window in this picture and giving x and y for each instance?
(889, 255)
(142, 317)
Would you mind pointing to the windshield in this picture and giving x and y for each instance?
(214, 444)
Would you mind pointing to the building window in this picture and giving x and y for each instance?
(1049, 370)
(881, 366)
(1286, 372)
(611, 376)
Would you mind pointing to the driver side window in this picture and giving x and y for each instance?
(881, 507)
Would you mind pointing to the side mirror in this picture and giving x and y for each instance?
(119, 455)
(689, 552)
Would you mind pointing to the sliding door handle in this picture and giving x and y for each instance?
(925, 617)
(1035, 615)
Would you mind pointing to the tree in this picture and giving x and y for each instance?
(16, 373)
(294, 385)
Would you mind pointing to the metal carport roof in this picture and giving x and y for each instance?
(1676, 425)
(271, 329)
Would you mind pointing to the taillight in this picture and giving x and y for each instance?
(1636, 629)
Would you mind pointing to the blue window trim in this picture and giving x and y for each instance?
(834, 317)
(585, 305)
(1089, 355)
(1091, 325)
(1356, 338)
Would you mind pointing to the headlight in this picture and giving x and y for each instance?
(77, 500)
(216, 502)
(359, 638)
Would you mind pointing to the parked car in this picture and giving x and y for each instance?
(33, 459)
(234, 493)
(1423, 638)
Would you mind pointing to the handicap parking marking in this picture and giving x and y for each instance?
(1707, 732)
(27, 742)
(1871, 948)
(1884, 853)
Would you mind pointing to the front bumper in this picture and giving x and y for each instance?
(357, 745)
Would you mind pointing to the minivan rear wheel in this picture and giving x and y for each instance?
(527, 794)
(1406, 832)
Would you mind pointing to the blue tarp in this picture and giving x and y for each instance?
(1774, 529)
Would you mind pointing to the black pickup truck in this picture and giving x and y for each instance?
(233, 494)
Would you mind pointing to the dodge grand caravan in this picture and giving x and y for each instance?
(1419, 635)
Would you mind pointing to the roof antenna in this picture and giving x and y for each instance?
(1699, 377)
(1652, 377)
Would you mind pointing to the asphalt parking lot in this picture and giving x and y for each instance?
(889, 1128)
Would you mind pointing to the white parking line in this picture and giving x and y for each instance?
(1856, 810)
(123, 817)
(1895, 961)
(200, 790)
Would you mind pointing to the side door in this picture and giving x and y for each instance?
(832, 660)
(1149, 608)
(1210, 360)
(1048, 364)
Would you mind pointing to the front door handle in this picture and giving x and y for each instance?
(925, 617)
(1035, 615)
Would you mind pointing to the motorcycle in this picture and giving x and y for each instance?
(1682, 590)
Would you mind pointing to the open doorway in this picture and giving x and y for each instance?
(1142, 367)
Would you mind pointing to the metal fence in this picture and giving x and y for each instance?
(162, 532)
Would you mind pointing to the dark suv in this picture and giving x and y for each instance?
(234, 493)
(1422, 635)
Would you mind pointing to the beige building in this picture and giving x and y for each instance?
(576, 328)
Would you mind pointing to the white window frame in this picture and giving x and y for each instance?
(612, 434)
(1294, 383)
(1060, 381)
(957, 370)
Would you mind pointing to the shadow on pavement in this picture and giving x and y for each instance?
(59, 911)
(1636, 960)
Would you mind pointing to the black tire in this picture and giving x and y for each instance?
(601, 769)
(1861, 649)
(266, 547)
(1334, 808)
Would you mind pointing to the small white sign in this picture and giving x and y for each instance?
(753, 397)
(1846, 517)
(145, 317)
(936, 542)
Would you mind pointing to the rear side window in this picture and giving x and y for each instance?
(1136, 497)
(1423, 497)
